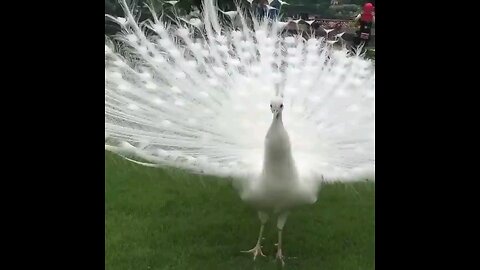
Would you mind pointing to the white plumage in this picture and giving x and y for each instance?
(196, 96)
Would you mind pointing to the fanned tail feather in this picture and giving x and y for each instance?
(195, 93)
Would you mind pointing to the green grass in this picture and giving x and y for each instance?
(166, 219)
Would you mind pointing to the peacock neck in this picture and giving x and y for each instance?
(277, 136)
(278, 160)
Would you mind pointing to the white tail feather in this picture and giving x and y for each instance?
(198, 99)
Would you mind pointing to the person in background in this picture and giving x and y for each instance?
(273, 13)
(365, 20)
(261, 9)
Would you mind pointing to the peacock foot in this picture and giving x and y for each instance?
(256, 251)
(280, 256)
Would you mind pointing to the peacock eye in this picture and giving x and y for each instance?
(281, 105)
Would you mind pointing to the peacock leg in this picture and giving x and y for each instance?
(282, 218)
(258, 248)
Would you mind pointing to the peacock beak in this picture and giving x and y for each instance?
(276, 113)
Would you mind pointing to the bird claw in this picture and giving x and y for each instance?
(256, 251)
(280, 257)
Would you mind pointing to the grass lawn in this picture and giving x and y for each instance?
(166, 219)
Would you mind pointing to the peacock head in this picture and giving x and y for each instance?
(276, 106)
